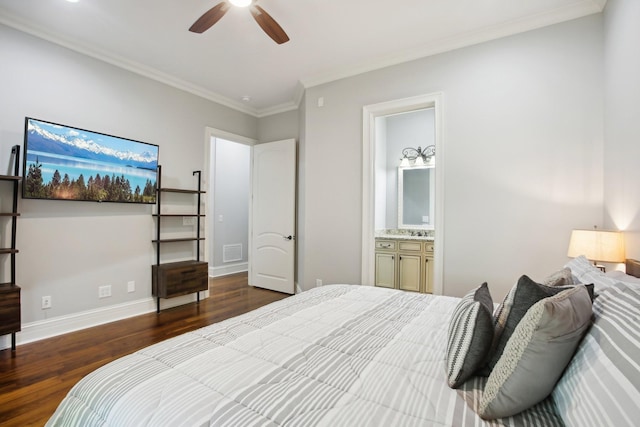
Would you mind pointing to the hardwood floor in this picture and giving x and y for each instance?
(35, 378)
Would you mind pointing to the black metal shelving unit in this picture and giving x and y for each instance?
(10, 292)
(181, 277)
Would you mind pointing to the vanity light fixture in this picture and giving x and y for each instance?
(418, 156)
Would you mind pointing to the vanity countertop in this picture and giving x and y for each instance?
(389, 236)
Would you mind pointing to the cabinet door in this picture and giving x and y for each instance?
(428, 274)
(409, 272)
(385, 270)
(9, 309)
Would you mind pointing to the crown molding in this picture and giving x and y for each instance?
(575, 10)
(126, 64)
(277, 109)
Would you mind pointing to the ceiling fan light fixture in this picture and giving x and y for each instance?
(240, 3)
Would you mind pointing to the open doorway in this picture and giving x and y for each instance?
(228, 171)
(373, 151)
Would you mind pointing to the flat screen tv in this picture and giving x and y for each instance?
(67, 163)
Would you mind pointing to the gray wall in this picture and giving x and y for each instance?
(523, 126)
(279, 126)
(68, 249)
(622, 121)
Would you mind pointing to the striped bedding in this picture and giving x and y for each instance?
(339, 355)
(601, 386)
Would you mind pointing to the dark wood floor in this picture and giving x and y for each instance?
(35, 378)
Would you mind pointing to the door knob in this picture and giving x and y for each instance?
(289, 237)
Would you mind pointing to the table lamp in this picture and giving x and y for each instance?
(597, 245)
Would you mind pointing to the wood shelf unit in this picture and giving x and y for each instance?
(10, 320)
(171, 279)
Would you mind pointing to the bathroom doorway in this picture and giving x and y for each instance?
(374, 151)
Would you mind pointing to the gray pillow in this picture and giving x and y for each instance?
(560, 278)
(537, 353)
(470, 335)
(522, 296)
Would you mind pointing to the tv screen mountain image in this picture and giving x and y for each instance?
(67, 163)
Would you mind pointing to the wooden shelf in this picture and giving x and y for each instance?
(10, 178)
(183, 239)
(8, 251)
(180, 190)
(173, 279)
(9, 214)
(179, 215)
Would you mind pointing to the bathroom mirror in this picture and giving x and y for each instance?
(416, 197)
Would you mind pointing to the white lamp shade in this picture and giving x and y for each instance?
(597, 245)
(405, 162)
(419, 161)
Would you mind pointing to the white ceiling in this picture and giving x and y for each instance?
(330, 39)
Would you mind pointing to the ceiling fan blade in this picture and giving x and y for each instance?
(269, 25)
(210, 17)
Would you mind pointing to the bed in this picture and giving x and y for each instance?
(344, 355)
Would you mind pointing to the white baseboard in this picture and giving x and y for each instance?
(225, 270)
(43, 329)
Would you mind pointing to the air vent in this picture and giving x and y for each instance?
(231, 253)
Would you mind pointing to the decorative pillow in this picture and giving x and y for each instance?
(537, 353)
(560, 278)
(584, 271)
(581, 265)
(601, 385)
(520, 298)
(470, 335)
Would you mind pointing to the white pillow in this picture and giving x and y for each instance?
(583, 271)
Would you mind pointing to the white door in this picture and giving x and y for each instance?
(272, 221)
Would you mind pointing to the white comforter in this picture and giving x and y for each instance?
(339, 355)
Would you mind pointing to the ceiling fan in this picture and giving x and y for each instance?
(266, 22)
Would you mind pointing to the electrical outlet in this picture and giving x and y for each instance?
(131, 286)
(46, 302)
(104, 291)
(318, 283)
(188, 220)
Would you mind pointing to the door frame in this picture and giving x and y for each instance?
(207, 181)
(369, 115)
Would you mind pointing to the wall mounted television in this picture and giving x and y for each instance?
(67, 163)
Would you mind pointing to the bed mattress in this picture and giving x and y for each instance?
(339, 355)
